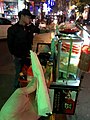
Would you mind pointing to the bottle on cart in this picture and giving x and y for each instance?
(22, 76)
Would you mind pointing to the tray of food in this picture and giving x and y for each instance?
(69, 31)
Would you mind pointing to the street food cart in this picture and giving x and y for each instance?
(66, 80)
(65, 83)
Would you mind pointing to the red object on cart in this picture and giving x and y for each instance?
(86, 49)
(66, 47)
(27, 71)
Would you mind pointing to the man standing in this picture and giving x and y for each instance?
(20, 40)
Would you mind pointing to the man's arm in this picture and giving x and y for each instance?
(37, 30)
(10, 38)
(34, 28)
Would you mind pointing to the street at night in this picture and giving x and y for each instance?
(7, 73)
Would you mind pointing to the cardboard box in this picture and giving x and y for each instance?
(84, 63)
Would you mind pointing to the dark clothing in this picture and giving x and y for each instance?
(20, 39)
(18, 66)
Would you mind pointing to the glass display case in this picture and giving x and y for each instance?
(64, 90)
(68, 54)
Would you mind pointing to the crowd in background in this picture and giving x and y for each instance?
(71, 15)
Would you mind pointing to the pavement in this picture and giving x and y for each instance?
(7, 73)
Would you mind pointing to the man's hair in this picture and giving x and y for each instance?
(19, 14)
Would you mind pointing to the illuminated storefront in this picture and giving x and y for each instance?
(1, 7)
(21, 5)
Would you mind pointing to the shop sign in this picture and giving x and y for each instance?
(64, 101)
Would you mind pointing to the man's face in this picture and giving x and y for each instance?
(27, 19)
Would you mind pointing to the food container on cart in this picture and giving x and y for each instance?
(69, 50)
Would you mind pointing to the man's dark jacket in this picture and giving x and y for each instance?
(20, 39)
